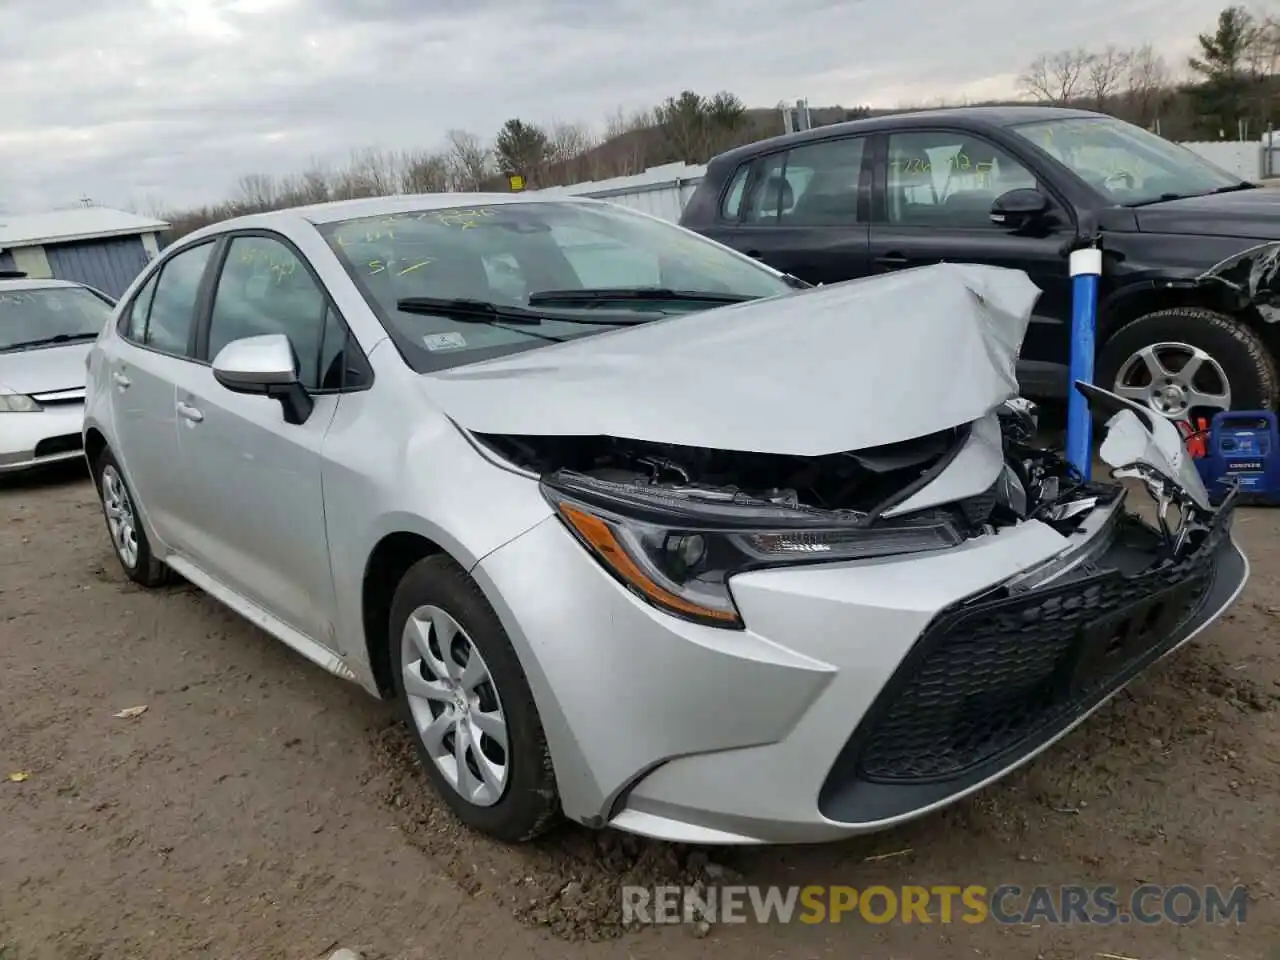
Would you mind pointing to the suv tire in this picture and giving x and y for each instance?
(1237, 349)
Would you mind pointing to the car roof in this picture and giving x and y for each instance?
(975, 118)
(338, 210)
(30, 283)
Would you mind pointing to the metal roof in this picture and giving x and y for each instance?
(78, 223)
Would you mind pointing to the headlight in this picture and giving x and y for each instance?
(18, 403)
(677, 548)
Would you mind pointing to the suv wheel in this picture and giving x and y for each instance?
(1187, 362)
(127, 536)
(463, 693)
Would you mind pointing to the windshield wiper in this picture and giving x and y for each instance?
(1246, 185)
(45, 341)
(482, 311)
(1160, 199)
(661, 294)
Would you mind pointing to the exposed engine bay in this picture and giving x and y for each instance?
(855, 486)
(675, 523)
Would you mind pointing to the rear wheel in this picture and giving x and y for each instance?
(129, 540)
(1187, 362)
(464, 695)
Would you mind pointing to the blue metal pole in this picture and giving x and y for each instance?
(1086, 268)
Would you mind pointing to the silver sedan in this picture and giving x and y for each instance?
(46, 327)
(636, 530)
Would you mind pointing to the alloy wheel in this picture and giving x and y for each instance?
(455, 705)
(121, 520)
(1175, 380)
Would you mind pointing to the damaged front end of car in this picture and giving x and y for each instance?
(674, 524)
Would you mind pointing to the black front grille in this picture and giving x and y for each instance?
(988, 676)
(51, 446)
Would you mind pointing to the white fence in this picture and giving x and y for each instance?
(659, 191)
(1241, 157)
(663, 191)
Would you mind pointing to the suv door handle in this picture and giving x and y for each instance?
(892, 260)
(120, 380)
(755, 254)
(188, 412)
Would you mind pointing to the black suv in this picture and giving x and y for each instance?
(1020, 187)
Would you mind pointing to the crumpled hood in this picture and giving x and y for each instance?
(44, 369)
(843, 367)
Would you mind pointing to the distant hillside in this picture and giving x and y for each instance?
(650, 143)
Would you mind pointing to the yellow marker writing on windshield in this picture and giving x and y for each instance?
(415, 266)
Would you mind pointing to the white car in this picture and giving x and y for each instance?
(634, 530)
(46, 327)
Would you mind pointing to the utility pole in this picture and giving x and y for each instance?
(795, 119)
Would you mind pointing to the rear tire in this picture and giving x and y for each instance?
(128, 539)
(470, 688)
(1232, 352)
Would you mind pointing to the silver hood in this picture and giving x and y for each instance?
(44, 369)
(844, 367)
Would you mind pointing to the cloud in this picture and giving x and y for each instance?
(172, 101)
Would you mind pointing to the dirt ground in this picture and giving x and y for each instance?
(260, 808)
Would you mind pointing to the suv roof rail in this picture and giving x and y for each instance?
(13, 275)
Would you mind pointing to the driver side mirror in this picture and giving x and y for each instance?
(1018, 209)
(265, 366)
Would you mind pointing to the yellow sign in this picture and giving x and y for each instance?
(517, 182)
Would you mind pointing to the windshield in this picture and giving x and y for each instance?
(50, 315)
(503, 253)
(1126, 163)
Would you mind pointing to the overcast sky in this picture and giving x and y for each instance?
(169, 102)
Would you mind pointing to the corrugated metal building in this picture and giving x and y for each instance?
(98, 246)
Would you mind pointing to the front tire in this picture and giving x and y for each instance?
(1188, 362)
(128, 539)
(461, 689)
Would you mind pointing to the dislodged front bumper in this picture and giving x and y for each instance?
(860, 694)
(992, 682)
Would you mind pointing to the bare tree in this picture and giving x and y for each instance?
(1105, 73)
(257, 192)
(625, 149)
(1146, 84)
(371, 173)
(568, 141)
(1056, 77)
(469, 160)
(424, 172)
(313, 185)
(568, 153)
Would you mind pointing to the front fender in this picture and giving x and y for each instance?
(1251, 276)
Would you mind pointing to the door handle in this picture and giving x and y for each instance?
(892, 260)
(755, 254)
(188, 412)
(120, 380)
